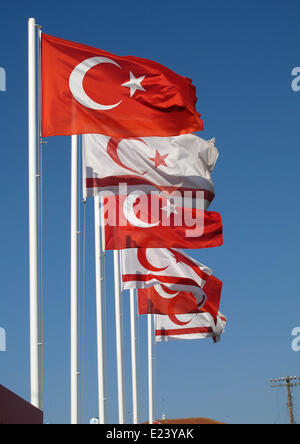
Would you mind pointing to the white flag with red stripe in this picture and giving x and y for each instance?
(171, 271)
(189, 326)
(180, 163)
(145, 267)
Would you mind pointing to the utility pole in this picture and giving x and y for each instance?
(288, 382)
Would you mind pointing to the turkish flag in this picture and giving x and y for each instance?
(161, 300)
(87, 90)
(138, 221)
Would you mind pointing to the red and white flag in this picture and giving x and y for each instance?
(86, 90)
(145, 267)
(160, 299)
(178, 283)
(189, 326)
(181, 163)
(142, 221)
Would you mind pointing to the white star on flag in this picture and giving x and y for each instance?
(169, 209)
(134, 84)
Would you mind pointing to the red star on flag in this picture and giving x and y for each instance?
(178, 260)
(159, 160)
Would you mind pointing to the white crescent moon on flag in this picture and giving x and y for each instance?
(128, 209)
(163, 293)
(76, 83)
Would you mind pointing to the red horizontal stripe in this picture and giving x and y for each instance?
(183, 331)
(165, 279)
(137, 277)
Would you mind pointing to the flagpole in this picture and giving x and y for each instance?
(74, 286)
(119, 339)
(135, 410)
(150, 369)
(99, 256)
(35, 370)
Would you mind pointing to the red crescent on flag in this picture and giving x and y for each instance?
(112, 151)
(173, 317)
(142, 257)
(190, 307)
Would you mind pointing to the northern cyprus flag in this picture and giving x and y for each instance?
(145, 267)
(180, 163)
(189, 326)
(179, 282)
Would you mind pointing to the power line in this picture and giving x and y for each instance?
(288, 382)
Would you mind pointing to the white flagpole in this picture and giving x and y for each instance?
(99, 255)
(74, 279)
(119, 339)
(150, 369)
(134, 358)
(35, 373)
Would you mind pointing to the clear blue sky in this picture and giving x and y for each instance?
(240, 56)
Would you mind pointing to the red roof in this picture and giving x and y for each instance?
(14, 410)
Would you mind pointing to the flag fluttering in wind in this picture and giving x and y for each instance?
(145, 267)
(189, 326)
(87, 90)
(137, 118)
(137, 221)
(181, 163)
(160, 299)
(170, 282)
